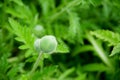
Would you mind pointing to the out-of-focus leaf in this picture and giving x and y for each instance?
(66, 73)
(106, 35)
(75, 30)
(95, 67)
(19, 2)
(46, 73)
(115, 50)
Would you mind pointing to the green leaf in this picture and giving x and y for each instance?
(19, 11)
(24, 35)
(66, 73)
(19, 2)
(46, 73)
(3, 64)
(95, 67)
(74, 24)
(19, 39)
(62, 48)
(115, 50)
(106, 35)
(74, 30)
(23, 47)
(81, 49)
(12, 72)
(46, 6)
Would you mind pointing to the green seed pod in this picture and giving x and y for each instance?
(46, 44)
(39, 30)
(37, 45)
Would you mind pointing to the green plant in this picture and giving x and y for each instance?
(87, 34)
(46, 44)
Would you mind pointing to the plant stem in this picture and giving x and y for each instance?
(71, 4)
(36, 63)
(99, 51)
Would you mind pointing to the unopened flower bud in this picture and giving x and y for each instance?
(46, 44)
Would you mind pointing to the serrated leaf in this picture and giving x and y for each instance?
(15, 25)
(62, 48)
(106, 35)
(74, 30)
(13, 12)
(23, 33)
(115, 50)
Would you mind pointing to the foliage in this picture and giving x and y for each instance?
(111, 37)
(87, 32)
(106, 35)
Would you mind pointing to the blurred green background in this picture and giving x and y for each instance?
(80, 54)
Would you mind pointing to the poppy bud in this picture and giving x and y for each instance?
(46, 44)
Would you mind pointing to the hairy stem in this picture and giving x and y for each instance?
(99, 51)
(36, 63)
